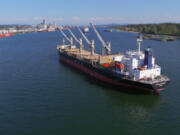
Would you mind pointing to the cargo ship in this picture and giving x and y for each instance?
(6, 34)
(135, 71)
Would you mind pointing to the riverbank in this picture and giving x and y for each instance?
(126, 31)
(167, 31)
(156, 37)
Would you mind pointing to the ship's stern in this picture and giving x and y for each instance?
(161, 84)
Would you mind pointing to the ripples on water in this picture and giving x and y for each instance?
(39, 95)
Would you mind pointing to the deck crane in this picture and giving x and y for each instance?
(79, 41)
(91, 44)
(68, 39)
(107, 45)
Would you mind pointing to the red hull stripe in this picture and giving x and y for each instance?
(97, 75)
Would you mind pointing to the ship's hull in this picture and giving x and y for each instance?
(108, 78)
(6, 34)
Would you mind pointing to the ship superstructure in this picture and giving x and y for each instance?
(135, 70)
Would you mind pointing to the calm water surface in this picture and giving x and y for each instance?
(40, 96)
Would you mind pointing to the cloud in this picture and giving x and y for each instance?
(49, 19)
(133, 20)
(76, 18)
(58, 19)
(105, 19)
(97, 19)
(92, 19)
(177, 18)
(38, 18)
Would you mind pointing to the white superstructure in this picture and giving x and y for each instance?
(138, 65)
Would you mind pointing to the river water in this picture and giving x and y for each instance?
(41, 96)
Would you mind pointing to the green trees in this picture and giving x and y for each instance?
(161, 29)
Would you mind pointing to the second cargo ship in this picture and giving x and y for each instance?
(136, 70)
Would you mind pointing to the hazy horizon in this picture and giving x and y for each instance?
(81, 12)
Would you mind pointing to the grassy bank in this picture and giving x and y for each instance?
(172, 29)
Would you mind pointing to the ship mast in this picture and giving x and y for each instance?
(91, 44)
(139, 40)
(107, 45)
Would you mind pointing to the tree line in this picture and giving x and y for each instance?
(160, 29)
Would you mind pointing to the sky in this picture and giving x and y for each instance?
(78, 12)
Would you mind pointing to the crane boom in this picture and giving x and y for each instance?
(65, 35)
(99, 36)
(91, 44)
(73, 36)
(84, 36)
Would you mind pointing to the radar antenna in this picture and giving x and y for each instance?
(139, 41)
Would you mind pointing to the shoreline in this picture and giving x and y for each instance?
(126, 31)
(157, 37)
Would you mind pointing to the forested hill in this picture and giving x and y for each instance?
(160, 29)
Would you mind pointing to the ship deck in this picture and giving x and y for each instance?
(81, 55)
(85, 55)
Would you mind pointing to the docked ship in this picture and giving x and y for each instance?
(51, 28)
(42, 27)
(133, 71)
(6, 34)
